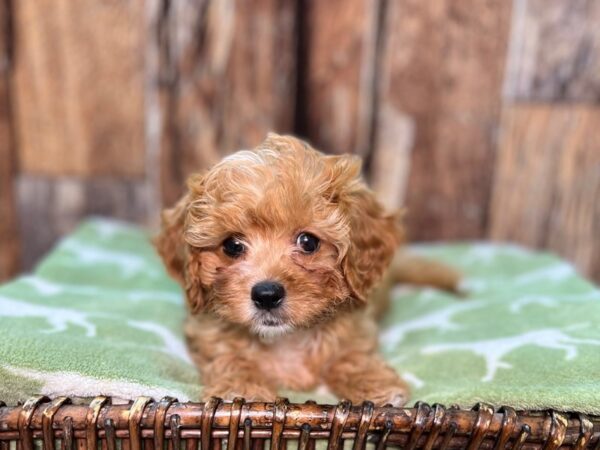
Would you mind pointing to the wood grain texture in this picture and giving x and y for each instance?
(442, 67)
(391, 156)
(339, 46)
(79, 87)
(9, 238)
(547, 184)
(229, 77)
(61, 203)
(554, 51)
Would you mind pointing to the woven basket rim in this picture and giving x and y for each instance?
(240, 422)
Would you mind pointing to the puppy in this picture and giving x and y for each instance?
(279, 250)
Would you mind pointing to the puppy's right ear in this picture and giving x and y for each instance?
(169, 242)
(177, 256)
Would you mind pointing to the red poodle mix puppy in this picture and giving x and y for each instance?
(279, 250)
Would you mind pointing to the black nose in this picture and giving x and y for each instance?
(267, 294)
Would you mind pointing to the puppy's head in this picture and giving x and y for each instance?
(278, 238)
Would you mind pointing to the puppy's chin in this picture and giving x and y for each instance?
(270, 332)
(268, 327)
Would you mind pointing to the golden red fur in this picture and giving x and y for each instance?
(323, 332)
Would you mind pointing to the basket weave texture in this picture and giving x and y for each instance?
(144, 424)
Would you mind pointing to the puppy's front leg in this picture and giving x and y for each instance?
(361, 376)
(228, 377)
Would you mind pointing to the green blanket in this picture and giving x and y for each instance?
(100, 316)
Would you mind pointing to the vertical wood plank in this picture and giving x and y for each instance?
(60, 204)
(390, 164)
(229, 77)
(155, 79)
(554, 51)
(79, 87)
(575, 220)
(442, 68)
(9, 239)
(339, 48)
(547, 185)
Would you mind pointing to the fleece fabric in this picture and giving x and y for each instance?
(99, 316)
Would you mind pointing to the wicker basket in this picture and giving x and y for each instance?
(149, 425)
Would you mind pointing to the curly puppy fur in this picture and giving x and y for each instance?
(324, 331)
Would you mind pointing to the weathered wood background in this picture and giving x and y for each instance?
(480, 116)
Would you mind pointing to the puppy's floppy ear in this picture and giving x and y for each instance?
(177, 255)
(169, 242)
(374, 234)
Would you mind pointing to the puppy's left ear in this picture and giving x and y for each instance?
(374, 237)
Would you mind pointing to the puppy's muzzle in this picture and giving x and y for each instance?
(267, 295)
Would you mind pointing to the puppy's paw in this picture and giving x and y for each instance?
(251, 392)
(396, 400)
(396, 396)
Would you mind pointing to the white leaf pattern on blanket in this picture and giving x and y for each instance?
(88, 255)
(107, 229)
(60, 318)
(494, 350)
(57, 318)
(551, 302)
(78, 385)
(50, 288)
(551, 274)
(172, 345)
(409, 377)
(438, 320)
(412, 379)
(486, 253)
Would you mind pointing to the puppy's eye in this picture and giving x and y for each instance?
(233, 247)
(309, 243)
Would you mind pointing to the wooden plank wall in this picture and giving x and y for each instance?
(339, 44)
(547, 186)
(444, 64)
(477, 116)
(79, 87)
(230, 69)
(78, 91)
(9, 235)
